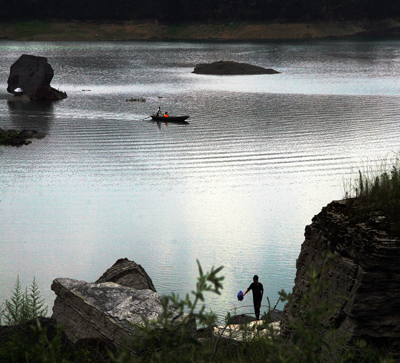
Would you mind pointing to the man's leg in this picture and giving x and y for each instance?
(257, 306)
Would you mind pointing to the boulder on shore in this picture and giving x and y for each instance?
(31, 75)
(107, 310)
(231, 68)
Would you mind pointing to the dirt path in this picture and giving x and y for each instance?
(39, 31)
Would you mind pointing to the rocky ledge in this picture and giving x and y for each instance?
(362, 281)
(231, 68)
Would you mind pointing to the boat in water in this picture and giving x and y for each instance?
(170, 118)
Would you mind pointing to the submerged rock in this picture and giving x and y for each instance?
(231, 68)
(19, 138)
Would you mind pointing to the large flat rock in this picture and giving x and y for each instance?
(104, 310)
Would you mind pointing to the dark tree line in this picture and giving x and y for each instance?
(198, 10)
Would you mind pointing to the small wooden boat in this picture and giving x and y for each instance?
(170, 118)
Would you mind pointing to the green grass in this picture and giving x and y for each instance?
(376, 191)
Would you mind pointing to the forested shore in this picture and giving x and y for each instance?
(152, 29)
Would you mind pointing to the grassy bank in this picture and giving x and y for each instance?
(49, 31)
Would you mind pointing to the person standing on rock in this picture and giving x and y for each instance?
(258, 292)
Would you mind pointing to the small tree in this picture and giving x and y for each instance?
(24, 306)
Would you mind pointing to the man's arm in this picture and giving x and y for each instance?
(246, 292)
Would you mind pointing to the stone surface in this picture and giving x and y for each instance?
(106, 310)
(29, 72)
(231, 68)
(33, 75)
(48, 93)
(366, 269)
(274, 316)
(128, 273)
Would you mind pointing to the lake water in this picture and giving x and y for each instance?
(235, 187)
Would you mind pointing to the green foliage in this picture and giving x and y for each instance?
(23, 305)
(34, 344)
(13, 138)
(164, 340)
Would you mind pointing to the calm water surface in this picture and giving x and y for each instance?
(236, 187)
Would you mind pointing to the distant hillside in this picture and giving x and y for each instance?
(135, 30)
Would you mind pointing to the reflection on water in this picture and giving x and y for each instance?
(260, 157)
(31, 115)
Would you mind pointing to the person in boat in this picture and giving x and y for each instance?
(166, 114)
(158, 111)
(258, 292)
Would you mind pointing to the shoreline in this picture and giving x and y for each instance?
(153, 30)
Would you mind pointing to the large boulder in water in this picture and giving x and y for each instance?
(32, 75)
(231, 68)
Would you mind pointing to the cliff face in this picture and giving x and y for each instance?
(366, 269)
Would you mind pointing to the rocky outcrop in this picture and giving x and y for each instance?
(365, 269)
(231, 68)
(128, 273)
(31, 76)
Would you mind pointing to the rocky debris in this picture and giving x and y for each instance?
(366, 269)
(241, 319)
(128, 273)
(32, 75)
(19, 138)
(231, 68)
(241, 333)
(274, 316)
